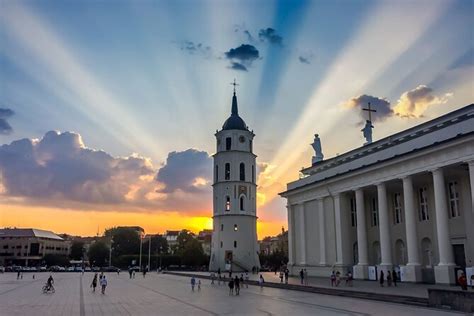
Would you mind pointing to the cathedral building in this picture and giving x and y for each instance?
(403, 203)
(234, 239)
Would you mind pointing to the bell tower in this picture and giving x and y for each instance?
(234, 238)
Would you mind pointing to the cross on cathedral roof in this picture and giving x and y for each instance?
(370, 110)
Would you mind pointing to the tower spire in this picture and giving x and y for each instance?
(235, 110)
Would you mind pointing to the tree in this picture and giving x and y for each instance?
(192, 254)
(157, 241)
(126, 240)
(55, 260)
(98, 253)
(183, 238)
(77, 250)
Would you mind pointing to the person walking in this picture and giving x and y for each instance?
(241, 280)
(237, 285)
(130, 272)
(338, 278)
(394, 277)
(305, 276)
(381, 279)
(103, 283)
(261, 281)
(94, 283)
(389, 278)
(281, 276)
(302, 276)
(18, 275)
(247, 277)
(231, 286)
(287, 274)
(349, 278)
(144, 273)
(213, 276)
(199, 285)
(193, 283)
(333, 278)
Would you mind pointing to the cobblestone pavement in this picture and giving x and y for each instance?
(172, 295)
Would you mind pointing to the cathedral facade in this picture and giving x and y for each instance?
(234, 238)
(402, 203)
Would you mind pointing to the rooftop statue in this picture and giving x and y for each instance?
(367, 130)
(317, 149)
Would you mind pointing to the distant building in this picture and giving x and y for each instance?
(269, 245)
(205, 238)
(171, 237)
(28, 246)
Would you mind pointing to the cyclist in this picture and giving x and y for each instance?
(49, 283)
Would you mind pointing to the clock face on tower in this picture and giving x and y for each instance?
(242, 139)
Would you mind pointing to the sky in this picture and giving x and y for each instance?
(108, 109)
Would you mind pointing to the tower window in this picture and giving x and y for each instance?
(374, 213)
(227, 171)
(423, 211)
(216, 174)
(253, 173)
(242, 171)
(222, 244)
(222, 227)
(236, 228)
(227, 203)
(353, 213)
(235, 243)
(453, 197)
(228, 143)
(250, 145)
(241, 203)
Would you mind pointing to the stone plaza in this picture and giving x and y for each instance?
(172, 295)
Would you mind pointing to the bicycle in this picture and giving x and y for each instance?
(48, 289)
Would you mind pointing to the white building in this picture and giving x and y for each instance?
(234, 238)
(405, 201)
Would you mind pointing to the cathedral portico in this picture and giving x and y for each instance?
(403, 203)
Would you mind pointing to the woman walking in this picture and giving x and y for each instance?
(94, 283)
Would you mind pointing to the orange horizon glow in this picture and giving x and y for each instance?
(90, 222)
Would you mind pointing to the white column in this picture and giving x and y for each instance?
(302, 234)
(361, 228)
(410, 222)
(385, 243)
(444, 271)
(339, 228)
(291, 232)
(360, 270)
(322, 232)
(471, 177)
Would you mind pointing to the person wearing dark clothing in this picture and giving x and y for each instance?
(394, 277)
(382, 278)
(302, 276)
(287, 274)
(130, 271)
(231, 287)
(237, 285)
(94, 283)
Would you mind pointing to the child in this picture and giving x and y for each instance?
(199, 285)
(193, 283)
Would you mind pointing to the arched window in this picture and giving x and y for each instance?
(227, 171)
(216, 174)
(242, 171)
(222, 227)
(227, 203)
(236, 228)
(228, 143)
(400, 252)
(253, 173)
(235, 243)
(241, 203)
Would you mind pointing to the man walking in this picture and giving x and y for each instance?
(103, 283)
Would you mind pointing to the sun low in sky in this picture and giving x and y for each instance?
(108, 109)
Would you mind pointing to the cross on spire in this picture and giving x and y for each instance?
(234, 84)
(370, 110)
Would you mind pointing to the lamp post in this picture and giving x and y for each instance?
(140, 258)
(110, 252)
(149, 253)
(161, 249)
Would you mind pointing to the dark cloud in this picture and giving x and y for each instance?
(270, 36)
(60, 167)
(382, 106)
(237, 66)
(304, 60)
(250, 38)
(242, 57)
(186, 171)
(5, 127)
(196, 48)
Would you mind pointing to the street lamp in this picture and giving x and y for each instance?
(110, 251)
(149, 252)
(161, 249)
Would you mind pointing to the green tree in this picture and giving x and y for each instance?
(77, 250)
(192, 254)
(156, 243)
(126, 240)
(184, 237)
(98, 253)
(55, 260)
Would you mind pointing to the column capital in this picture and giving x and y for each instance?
(380, 184)
(436, 170)
(470, 163)
(406, 177)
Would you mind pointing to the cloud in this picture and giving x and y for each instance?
(60, 167)
(414, 103)
(237, 66)
(5, 127)
(304, 60)
(250, 38)
(196, 48)
(242, 57)
(382, 107)
(187, 171)
(270, 36)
